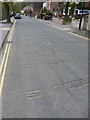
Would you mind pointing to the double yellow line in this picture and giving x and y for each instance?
(4, 62)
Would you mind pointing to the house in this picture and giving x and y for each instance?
(37, 6)
(51, 5)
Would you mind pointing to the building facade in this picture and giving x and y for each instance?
(51, 5)
(37, 6)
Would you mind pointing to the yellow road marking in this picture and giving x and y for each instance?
(9, 38)
(4, 28)
(4, 71)
(6, 55)
(78, 35)
(3, 59)
(65, 29)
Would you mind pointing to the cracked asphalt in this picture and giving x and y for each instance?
(47, 73)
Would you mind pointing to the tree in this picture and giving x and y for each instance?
(44, 10)
(0, 11)
(61, 7)
(73, 6)
(66, 8)
(17, 7)
(7, 7)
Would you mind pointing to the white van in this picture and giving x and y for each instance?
(79, 12)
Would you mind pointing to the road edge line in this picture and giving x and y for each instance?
(5, 61)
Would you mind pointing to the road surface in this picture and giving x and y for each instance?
(47, 73)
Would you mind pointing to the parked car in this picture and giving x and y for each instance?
(12, 14)
(18, 16)
(85, 12)
(48, 17)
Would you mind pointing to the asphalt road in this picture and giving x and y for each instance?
(47, 73)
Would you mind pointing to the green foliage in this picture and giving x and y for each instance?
(73, 6)
(68, 20)
(6, 6)
(0, 11)
(66, 8)
(17, 7)
(43, 13)
(48, 12)
(79, 5)
(9, 7)
(88, 8)
(39, 15)
(44, 10)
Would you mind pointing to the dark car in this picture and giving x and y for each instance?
(48, 17)
(18, 16)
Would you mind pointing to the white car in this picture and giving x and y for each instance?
(79, 12)
(85, 12)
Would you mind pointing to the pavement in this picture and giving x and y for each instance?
(4, 29)
(47, 73)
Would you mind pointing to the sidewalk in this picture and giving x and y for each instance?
(4, 29)
(73, 27)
